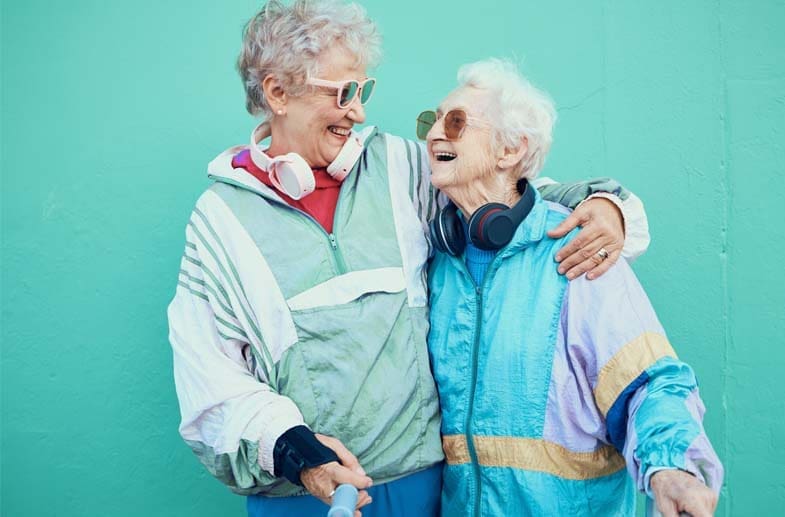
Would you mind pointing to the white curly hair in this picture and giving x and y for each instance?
(286, 41)
(516, 108)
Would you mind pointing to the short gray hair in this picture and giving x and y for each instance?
(516, 109)
(287, 42)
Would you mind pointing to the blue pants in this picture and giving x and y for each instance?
(416, 495)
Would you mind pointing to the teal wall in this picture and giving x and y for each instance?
(111, 111)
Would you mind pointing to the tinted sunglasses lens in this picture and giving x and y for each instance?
(425, 122)
(454, 122)
(348, 93)
(367, 90)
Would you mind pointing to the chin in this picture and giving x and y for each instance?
(326, 159)
(441, 179)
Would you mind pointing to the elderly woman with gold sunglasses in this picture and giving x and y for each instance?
(300, 318)
(548, 388)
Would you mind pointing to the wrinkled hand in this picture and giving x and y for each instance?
(602, 227)
(677, 491)
(320, 481)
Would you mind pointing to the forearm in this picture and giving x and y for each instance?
(230, 419)
(665, 428)
(235, 441)
(571, 195)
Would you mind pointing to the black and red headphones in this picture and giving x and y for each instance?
(491, 227)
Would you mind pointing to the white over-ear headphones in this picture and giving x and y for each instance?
(291, 174)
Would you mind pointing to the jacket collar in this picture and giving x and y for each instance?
(220, 169)
(531, 230)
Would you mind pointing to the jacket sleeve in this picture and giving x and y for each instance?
(230, 416)
(647, 399)
(571, 195)
(426, 198)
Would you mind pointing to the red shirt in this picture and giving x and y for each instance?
(319, 204)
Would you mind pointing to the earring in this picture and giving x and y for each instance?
(280, 112)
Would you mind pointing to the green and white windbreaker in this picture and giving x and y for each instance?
(276, 323)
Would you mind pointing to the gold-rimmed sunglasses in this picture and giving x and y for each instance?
(455, 121)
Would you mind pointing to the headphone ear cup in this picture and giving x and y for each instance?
(490, 227)
(343, 164)
(295, 175)
(447, 231)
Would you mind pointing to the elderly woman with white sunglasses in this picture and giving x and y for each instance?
(548, 388)
(300, 319)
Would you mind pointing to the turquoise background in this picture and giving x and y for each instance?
(111, 111)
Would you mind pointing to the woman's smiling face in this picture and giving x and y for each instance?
(313, 125)
(463, 160)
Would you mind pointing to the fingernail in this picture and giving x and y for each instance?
(558, 258)
(561, 270)
(590, 276)
(360, 471)
(570, 275)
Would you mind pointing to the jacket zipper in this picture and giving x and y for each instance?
(478, 290)
(473, 387)
(341, 264)
(338, 260)
(470, 412)
(337, 255)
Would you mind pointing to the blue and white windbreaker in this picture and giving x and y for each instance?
(550, 389)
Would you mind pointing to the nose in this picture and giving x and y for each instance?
(437, 131)
(356, 111)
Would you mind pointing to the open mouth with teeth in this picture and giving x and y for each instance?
(340, 131)
(444, 156)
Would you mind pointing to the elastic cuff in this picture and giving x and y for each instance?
(297, 449)
(613, 198)
(653, 470)
(647, 479)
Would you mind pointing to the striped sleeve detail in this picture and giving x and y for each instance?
(412, 172)
(427, 193)
(199, 281)
(222, 300)
(417, 179)
(629, 362)
(192, 265)
(247, 278)
(215, 257)
(231, 412)
(409, 226)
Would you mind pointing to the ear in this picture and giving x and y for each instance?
(274, 92)
(511, 156)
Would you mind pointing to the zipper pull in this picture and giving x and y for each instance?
(333, 242)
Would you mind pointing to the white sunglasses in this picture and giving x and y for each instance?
(348, 90)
